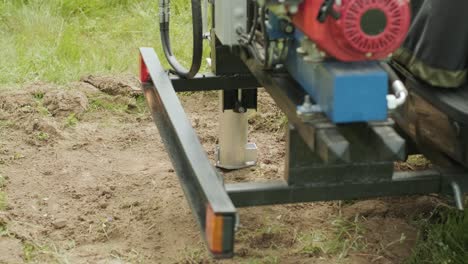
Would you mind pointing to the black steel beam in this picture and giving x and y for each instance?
(269, 193)
(211, 82)
(198, 178)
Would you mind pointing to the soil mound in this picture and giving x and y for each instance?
(62, 103)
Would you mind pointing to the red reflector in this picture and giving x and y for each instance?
(214, 231)
(144, 74)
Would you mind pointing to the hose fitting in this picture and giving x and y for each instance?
(164, 22)
(400, 93)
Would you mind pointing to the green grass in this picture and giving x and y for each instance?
(265, 260)
(443, 239)
(61, 40)
(37, 253)
(42, 136)
(2, 181)
(194, 255)
(343, 237)
(71, 120)
(39, 97)
(3, 230)
(106, 103)
(3, 205)
(3, 201)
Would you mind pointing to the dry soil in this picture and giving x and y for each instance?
(88, 181)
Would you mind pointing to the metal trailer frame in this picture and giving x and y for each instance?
(318, 169)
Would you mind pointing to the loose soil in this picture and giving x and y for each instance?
(88, 181)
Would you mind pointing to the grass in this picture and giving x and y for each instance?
(265, 260)
(132, 256)
(105, 103)
(6, 123)
(443, 239)
(2, 181)
(3, 200)
(39, 98)
(343, 237)
(61, 40)
(42, 136)
(136, 105)
(71, 120)
(194, 256)
(38, 253)
(3, 230)
(3, 205)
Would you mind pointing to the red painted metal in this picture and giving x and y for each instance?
(144, 73)
(344, 39)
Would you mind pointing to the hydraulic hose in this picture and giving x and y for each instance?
(164, 19)
(253, 29)
(266, 40)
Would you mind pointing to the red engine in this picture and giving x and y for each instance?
(355, 30)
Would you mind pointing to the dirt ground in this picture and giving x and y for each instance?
(88, 181)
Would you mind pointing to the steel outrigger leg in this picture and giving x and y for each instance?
(210, 204)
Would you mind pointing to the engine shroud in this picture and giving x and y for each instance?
(355, 30)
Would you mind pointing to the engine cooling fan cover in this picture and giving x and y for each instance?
(372, 26)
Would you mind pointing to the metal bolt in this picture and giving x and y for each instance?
(301, 50)
(293, 9)
(307, 100)
(307, 106)
(289, 29)
(309, 59)
(456, 125)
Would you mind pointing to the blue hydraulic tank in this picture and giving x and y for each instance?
(345, 92)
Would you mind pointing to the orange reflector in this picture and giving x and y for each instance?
(144, 74)
(214, 231)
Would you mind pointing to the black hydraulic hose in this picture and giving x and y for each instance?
(253, 29)
(391, 73)
(197, 39)
(266, 40)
